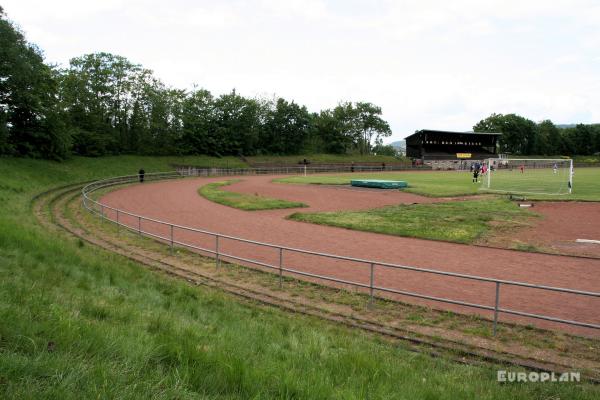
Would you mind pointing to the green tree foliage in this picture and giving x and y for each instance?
(582, 139)
(384, 150)
(369, 125)
(548, 140)
(198, 114)
(351, 127)
(335, 129)
(103, 103)
(518, 133)
(237, 124)
(103, 94)
(286, 127)
(524, 137)
(31, 123)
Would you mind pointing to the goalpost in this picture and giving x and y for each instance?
(529, 176)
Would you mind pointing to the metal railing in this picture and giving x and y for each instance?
(299, 169)
(101, 209)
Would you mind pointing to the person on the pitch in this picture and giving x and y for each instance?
(476, 173)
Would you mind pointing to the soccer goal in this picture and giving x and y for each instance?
(529, 176)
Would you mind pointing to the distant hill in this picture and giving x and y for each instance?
(399, 144)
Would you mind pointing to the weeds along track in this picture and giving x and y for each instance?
(462, 338)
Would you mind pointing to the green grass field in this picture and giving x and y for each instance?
(541, 181)
(77, 323)
(586, 183)
(460, 221)
(241, 201)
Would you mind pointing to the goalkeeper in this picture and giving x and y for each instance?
(476, 173)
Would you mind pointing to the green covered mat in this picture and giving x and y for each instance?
(379, 183)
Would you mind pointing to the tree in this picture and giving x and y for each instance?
(329, 126)
(581, 139)
(518, 133)
(285, 127)
(237, 124)
(384, 150)
(96, 92)
(30, 118)
(548, 140)
(369, 125)
(118, 106)
(198, 126)
(105, 104)
(596, 128)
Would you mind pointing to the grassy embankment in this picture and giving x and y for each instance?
(460, 221)
(77, 323)
(241, 201)
(586, 183)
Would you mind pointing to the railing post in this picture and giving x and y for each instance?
(217, 262)
(118, 225)
(371, 284)
(280, 267)
(139, 225)
(102, 212)
(171, 238)
(496, 307)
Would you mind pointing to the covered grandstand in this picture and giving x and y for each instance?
(451, 150)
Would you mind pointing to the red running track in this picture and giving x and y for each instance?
(178, 202)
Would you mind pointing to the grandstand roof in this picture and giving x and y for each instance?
(425, 131)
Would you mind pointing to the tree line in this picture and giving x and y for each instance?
(525, 137)
(104, 104)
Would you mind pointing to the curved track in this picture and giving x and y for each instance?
(178, 202)
(61, 207)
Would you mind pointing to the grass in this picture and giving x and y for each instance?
(77, 322)
(459, 221)
(241, 201)
(322, 158)
(586, 183)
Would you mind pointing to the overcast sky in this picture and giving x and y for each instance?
(428, 64)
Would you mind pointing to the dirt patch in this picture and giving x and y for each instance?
(562, 223)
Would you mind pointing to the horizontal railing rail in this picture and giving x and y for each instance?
(296, 169)
(100, 209)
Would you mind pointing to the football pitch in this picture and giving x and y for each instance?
(586, 182)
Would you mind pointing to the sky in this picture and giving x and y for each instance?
(428, 64)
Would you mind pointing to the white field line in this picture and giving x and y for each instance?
(588, 241)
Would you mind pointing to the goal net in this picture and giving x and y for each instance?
(529, 176)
